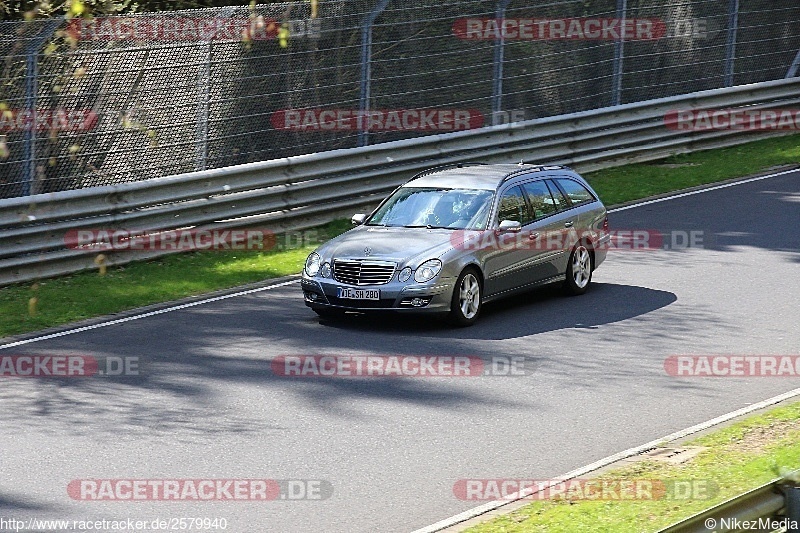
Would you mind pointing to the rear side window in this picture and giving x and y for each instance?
(513, 207)
(541, 200)
(558, 197)
(576, 192)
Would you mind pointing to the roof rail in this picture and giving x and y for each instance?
(510, 175)
(532, 168)
(445, 167)
(544, 167)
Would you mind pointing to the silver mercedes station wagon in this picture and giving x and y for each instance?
(453, 238)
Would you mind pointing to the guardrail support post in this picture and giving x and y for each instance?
(619, 56)
(793, 509)
(366, 69)
(730, 45)
(31, 97)
(499, 53)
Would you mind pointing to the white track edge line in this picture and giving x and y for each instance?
(260, 289)
(705, 189)
(145, 315)
(630, 452)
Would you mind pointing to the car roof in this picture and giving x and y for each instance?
(472, 176)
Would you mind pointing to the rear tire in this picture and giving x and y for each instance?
(466, 303)
(579, 270)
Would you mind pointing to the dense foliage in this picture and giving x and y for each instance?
(26, 9)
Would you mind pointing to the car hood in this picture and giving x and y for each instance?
(401, 245)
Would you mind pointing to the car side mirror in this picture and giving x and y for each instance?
(358, 219)
(509, 226)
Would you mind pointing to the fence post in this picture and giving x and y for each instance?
(499, 53)
(31, 88)
(792, 72)
(730, 45)
(204, 97)
(366, 70)
(619, 55)
(203, 90)
(31, 96)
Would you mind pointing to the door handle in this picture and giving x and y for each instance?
(568, 224)
(533, 236)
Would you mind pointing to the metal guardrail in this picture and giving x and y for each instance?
(302, 191)
(777, 502)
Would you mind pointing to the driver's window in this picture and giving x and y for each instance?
(513, 207)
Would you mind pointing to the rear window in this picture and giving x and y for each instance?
(540, 199)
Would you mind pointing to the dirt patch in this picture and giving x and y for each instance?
(756, 439)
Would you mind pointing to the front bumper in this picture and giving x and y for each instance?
(432, 297)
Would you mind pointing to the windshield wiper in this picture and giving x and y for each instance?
(428, 226)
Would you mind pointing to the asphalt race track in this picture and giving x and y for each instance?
(207, 404)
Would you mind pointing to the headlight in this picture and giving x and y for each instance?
(428, 270)
(325, 270)
(312, 265)
(404, 274)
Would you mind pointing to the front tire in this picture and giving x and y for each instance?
(579, 270)
(467, 299)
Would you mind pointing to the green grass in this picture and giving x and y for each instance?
(631, 182)
(736, 459)
(87, 294)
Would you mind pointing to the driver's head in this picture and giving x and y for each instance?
(444, 208)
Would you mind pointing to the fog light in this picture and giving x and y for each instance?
(415, 302)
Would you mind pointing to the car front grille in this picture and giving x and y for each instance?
(363, 272)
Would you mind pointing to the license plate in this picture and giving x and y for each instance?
(359, 294)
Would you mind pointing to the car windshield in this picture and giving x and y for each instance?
(418, 207)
